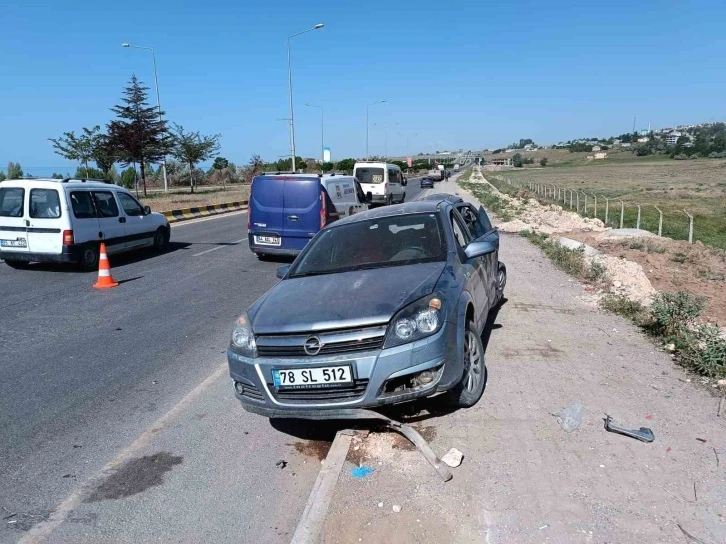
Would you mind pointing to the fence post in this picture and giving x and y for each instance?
(622, 212)
(690, 227)
(660, 221)
(577, 200)
(585, 214)
(607, 209)
(570, 198)
(637, 223)
(595, 197)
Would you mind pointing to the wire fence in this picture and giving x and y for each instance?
(612, 211)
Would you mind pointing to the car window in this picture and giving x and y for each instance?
(369, 175)
(130, 205)
(105, 204)
(359, 191)
(460, 234)
(477, 223)
(484, 220)
(393, 176)
(82, 205)
(374, 243)
(44, 204)
(11, 201)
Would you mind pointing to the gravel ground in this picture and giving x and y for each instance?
(524, 479)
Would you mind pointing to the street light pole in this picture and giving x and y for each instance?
(158, 100)
(367, 116)
(289, 82)
(322, 134)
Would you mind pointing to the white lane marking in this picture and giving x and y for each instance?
(219, 247)
(40, 532)
(203, 219)
(311, 523)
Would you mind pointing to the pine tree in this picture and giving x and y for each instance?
(139, 135)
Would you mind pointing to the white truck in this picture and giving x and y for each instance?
(436, 174)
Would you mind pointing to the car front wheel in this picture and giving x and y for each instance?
(471, 387)
(161, 239)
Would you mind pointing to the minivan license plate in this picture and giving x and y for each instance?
(312, 377)
(20, 242)
(267, 240)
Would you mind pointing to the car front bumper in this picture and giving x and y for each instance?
(371, 371)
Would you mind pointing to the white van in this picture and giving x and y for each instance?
(384, 181)
(346, 193)
(49, 220)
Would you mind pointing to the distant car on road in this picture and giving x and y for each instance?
(64, 221)
(380, 308)
(383, 180)
(427, 182)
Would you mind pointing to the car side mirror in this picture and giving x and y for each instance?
(479, 249)
(404, 182)
(369, 197)
(147, 210)
(283, 270)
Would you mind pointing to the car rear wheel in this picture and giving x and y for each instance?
(89, 257)
(161, 239)
(471, 387)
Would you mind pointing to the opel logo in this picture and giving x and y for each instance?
(313, 345)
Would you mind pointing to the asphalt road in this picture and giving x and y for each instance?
(86, 374)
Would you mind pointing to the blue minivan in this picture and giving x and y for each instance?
(287, 210)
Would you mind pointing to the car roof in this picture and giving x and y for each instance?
(50, 183)
(376, 163)
(407, 208)
(438, 197)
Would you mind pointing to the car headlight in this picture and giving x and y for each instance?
(419, 319)
(243, 339)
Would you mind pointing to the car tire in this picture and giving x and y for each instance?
(161, 239)
(90, 254)
(403, 198)
(474, 379)
(501, 281)
(17, 265)
(389, 201)
(262, 256)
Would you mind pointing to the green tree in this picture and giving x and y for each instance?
(104, 155)
(77, 148)
(192, 148)
(138, 135)
(327, 166)
(220, 163)
(128, 178)
(543, 161)
(2, 176)
(55, 176)
(517, 161)
(15, 171)
(256, 164)
(345, 165)
(402, 165)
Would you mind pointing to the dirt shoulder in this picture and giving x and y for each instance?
(523, 478)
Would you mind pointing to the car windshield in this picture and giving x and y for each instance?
(369, 175)
(376, 243)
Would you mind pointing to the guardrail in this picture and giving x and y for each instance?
(184, 214)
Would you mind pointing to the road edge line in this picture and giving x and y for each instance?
(40, 532)
(311, 523)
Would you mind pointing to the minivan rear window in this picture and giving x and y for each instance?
(44, 204)
(11, 201)
(369, 175)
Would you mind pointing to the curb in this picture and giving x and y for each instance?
(184, 214)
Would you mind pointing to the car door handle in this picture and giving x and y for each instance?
(293, 217)
(122, 220)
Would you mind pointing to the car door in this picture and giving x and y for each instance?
(361, 200)
(45, 225)
(111, 224)
(472, 267)
(84, 221)
(481, 229)
(13, 230)
(139, 228)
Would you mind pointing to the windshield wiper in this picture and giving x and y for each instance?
(313, 273)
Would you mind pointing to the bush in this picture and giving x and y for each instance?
(517, 161)
(128, 178)
(704, 351)
(623, 306)
(596, 271)
(674, 314)
(543, 161)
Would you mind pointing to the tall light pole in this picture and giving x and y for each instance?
(289, 82)
(322, 134)
(158, 100)
(367, 108)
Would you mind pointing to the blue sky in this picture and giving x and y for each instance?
(460, 74)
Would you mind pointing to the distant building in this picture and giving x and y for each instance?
(643, 140)
(616, 142)
(530, 147)
(501, 162)
(596, 148)
(626, 144)
(601, 155)
(672, 138)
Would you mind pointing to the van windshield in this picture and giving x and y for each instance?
(369, 175)
(11, 201)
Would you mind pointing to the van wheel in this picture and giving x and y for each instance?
(89, 257)
(18, 265)
(161, 239)
(390, 200)
(471, 387)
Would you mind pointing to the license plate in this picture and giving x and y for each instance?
(312, 377)
(267, 240)
(20, 242)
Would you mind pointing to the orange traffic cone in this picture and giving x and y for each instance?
(105, 279)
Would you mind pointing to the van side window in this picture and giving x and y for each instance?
(105, 204)
(11, 201)
(82, 205)
(393, 176)
(44, 204)
(130, 205)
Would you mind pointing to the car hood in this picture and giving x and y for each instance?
(348, 299)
